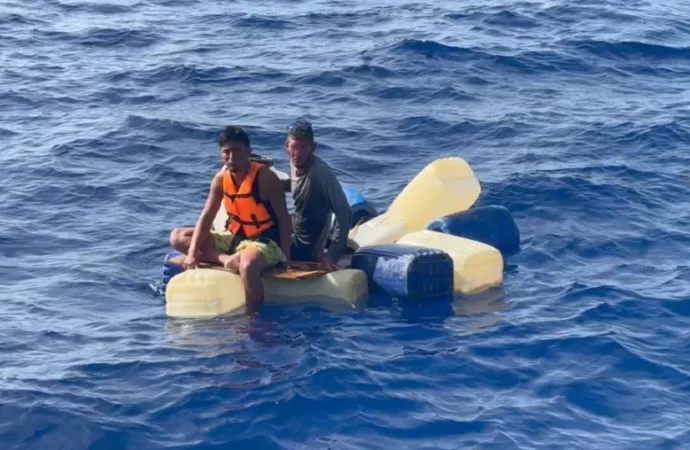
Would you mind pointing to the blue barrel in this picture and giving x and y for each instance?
(361, 209)
(406, 272)
(492, 225)
(169, 271)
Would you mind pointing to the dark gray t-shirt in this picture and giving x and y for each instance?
(317, 195)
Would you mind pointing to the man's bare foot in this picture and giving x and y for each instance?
(230, 262)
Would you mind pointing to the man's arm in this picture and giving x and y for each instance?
(203, 224)
(287, 184)
(273, 191)
(337, 201)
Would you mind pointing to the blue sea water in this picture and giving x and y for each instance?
(575, 115)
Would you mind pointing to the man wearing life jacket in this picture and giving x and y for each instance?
(257, 232)
(317, 196)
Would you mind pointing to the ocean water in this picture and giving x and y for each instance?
(575, 115)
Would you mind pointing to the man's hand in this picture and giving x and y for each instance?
(191, 261)
(326, 264)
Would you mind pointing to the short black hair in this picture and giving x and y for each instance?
(301, 129)
(233, 135)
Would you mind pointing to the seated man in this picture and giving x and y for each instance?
(258, 228)
(316, 193)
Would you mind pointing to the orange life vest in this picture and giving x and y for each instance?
(245, 209)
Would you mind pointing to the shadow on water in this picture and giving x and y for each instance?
(480, 308)
(274, 325)
(229, 333)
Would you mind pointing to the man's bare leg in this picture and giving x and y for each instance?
(252, 264)
(180, 238)
(230, 262)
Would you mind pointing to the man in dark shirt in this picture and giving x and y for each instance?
(316, 194)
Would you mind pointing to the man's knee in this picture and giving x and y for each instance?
(251, 264)
(175, 236)
(179, 237)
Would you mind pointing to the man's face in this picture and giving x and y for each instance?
(299, 150)
(235, 156)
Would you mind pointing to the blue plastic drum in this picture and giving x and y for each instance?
(492, 225)
(361, 209)
(169, 271)
(406, 272)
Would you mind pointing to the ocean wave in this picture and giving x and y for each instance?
(325, 79)
(419, 94)
(582, 196)
(574, 14)
(8, 20)
(105, 37)
(503, 18)
(108, 37)
(627, 50)
(264, 22)
(123, 95)
(14, 101)
(528, 62)
(195, 75)
(341, 19)
(166, 129)
(98, 7)
(658, 136)
(433, 49)
(510, 19)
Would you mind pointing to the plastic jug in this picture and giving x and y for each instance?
(445, 186)
(476, 266)
(383, 229)
(212, 292)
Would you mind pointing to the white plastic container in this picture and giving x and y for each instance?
(212, 292)
(445, 186)
(476, 266)
(383, 229)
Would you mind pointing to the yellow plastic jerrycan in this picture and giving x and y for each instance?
(445, 186)
(476, 266)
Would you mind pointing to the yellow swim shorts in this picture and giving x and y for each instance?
(267, 247)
